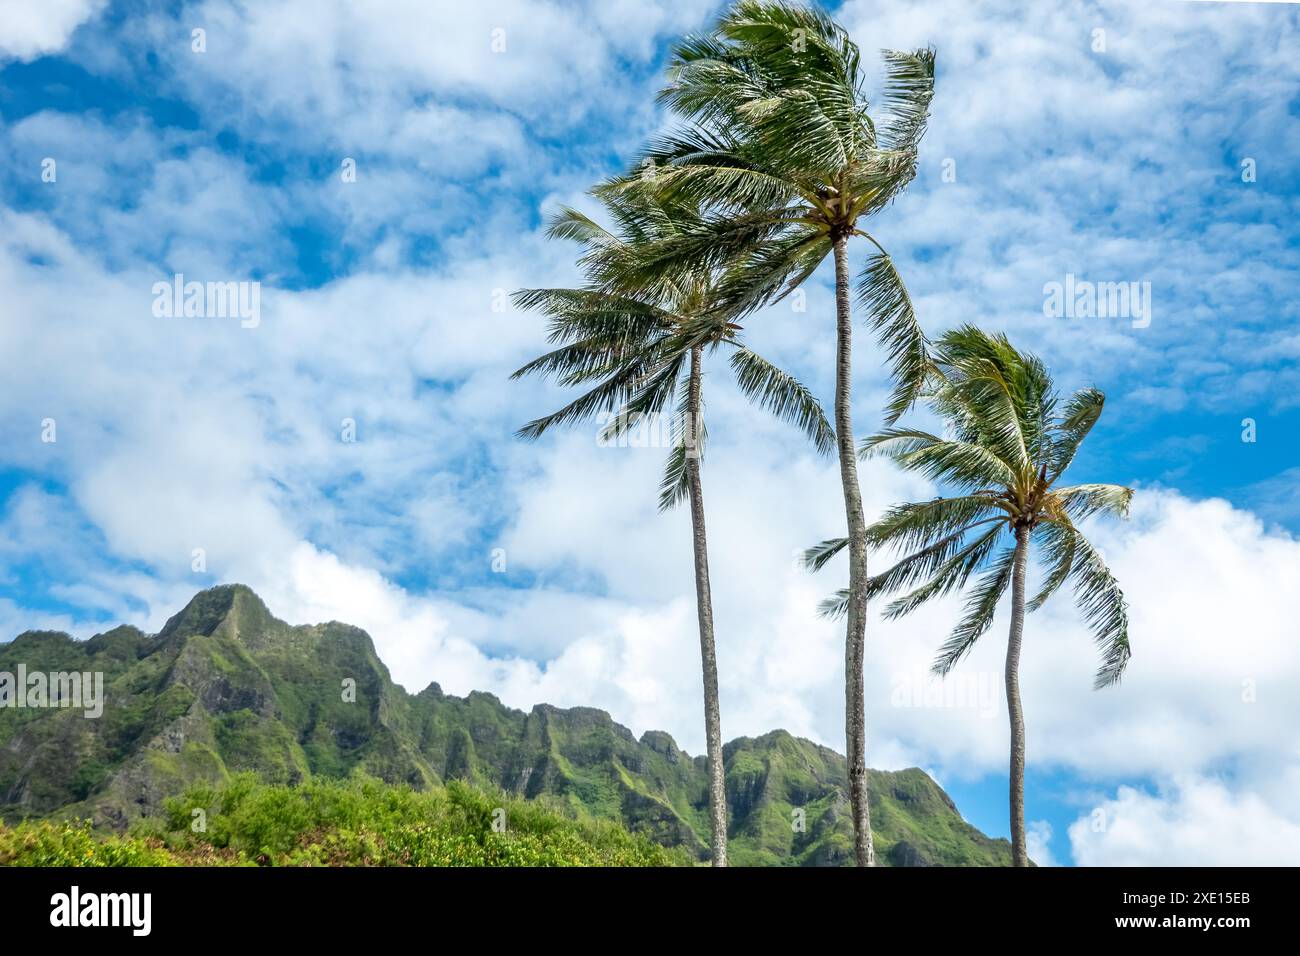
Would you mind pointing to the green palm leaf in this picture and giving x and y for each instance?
(782, 395)
(979, 613)
(893, 319)
(817, 557)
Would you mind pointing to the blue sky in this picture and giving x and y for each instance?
(1100, 139)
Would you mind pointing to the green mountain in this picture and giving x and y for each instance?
(225, 687)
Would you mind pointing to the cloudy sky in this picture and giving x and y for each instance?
(1154, 141)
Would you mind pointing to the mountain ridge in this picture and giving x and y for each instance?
(226, 686)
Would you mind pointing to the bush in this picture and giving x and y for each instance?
(73, 843)
(360, 821)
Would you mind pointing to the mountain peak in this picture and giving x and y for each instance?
(235, 604)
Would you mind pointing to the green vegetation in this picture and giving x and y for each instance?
(226, 689)
(74, 843)
(358, 822)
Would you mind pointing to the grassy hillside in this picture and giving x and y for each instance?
(225, 688)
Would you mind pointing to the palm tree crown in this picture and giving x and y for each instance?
(633, 337)
(783, 154)
(1011, 441)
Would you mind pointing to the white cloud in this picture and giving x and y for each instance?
(32, 28)
(355, 76)
(1194, 821)
(1038, 840)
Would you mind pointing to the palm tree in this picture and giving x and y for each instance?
(643, 342)
(1011, 441)
(782, 152)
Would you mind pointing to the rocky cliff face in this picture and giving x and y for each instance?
(225, 687)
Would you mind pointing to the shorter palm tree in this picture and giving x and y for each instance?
(641, 335)
(1011, 441)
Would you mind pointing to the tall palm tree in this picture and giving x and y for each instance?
(780, 147)
(1011, 442)
(643, 342)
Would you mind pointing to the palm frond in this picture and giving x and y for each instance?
(817, 557)
(995, 391)
(944, 567)
(920, 524)
(605, 397)
(1100, 600)
(980, 608)
(835, 608)
(782, 395)
(575, 226)
(1057, 543)
(1084, 501)
(675, 485)
(775, 268)
(1080, 414)
(967, 464)
(908, 90)
(650, 394)
(886, 299)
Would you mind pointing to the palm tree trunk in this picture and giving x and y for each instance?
(855, 712)
(704, 609)
(1019, 855)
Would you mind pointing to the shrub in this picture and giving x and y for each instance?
(360, 821)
